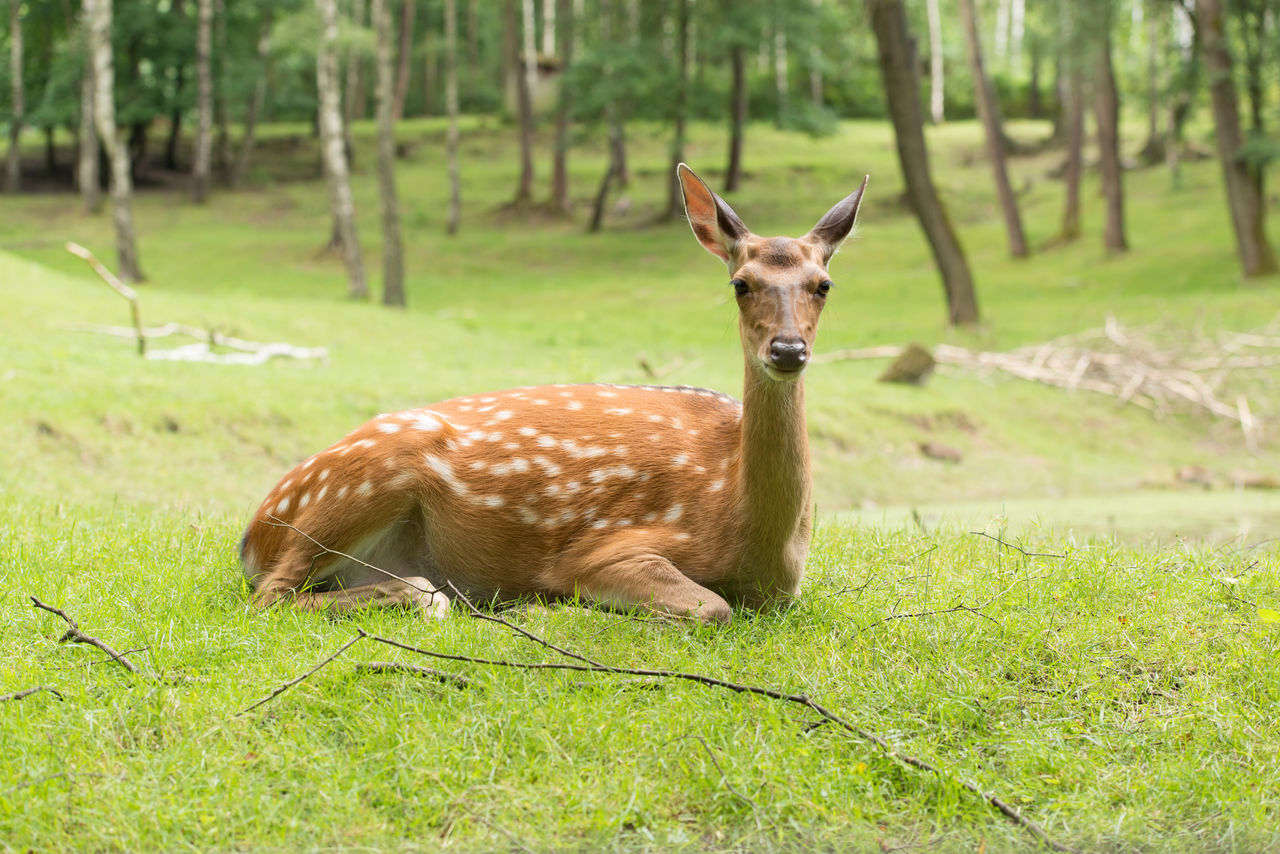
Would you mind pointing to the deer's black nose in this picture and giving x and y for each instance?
(788, 354)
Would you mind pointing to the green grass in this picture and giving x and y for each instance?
(1123, 694)
(1123, 698)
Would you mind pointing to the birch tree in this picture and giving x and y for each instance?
(204, 101)
(87, 156)
(104, 113)
(13, 166)
(392, 247)
(335, 155)
(560, 166)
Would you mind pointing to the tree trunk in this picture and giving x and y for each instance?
(816, 96)
(335, 156)
(404, 56)
(1106, 104)
(889, 22)
(354, 105)
(451, 104)
(560, 166)
(1035, 108)
(937, 94)
(989, 112)
(524, 106)
(87, 162)
(1075, 153)
(738, 105)
(430, 75)
(1153, 149)
(104, 111)
(675, 203)
(13, 165)
(222, 141)
(1184, 85)
(1247, 206)
(241, 168)
(204, 100)
(392, 250)
(781, 75)
(549, 11)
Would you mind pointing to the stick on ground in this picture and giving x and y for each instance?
(287, 685)
(75, 635)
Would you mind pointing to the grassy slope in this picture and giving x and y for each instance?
(1123, 697)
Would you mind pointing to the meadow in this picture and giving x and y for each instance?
(1055, 619)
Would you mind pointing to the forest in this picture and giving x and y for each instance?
(1041, 605)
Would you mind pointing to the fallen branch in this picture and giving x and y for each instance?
(18, 695)
(414, 670)
(249, 352)
(589, 666)
(287, 685)
(75, 635)
(1017, 548)
(724, 778)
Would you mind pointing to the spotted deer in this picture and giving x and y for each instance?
(667, 499)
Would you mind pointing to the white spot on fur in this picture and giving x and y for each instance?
(552, 469)
(426, 422)
(477, 465)
(503, 415)
(546, 441)
(683, 536)
(284, 486)
(365, 488)
(320, 494)
(304, 500)
(445, 472)
(322, 475)
(489, 500)
(600, 523)
(617, 410)
(402, 479)
(511, 446)
(538, 402)
(650, 517)
(656, 419)
(676, 511)
(716, 486)
(282, 506)
(488, 399)
(527, 514)
(600, 475)
(679, 460)
(606, 394)
(518, 464)
(527, 431)
(342, 492)
(389, 427)
(574, 405)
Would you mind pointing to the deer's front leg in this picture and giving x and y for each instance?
(622, 578)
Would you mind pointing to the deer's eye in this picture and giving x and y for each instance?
(824, 289)
(740, 287)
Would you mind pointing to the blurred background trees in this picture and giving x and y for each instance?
(195, 79)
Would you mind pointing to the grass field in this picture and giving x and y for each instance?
(1119, 686)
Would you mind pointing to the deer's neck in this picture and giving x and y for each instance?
(774, 480)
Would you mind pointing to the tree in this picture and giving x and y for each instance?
(989, 111)
(392, 249)
(13, 164)
(680, 106)
(204, 100)
(335, 155)
(1244, 193)
(937, 94)
(451, 104)
(523, 68)
(889, 23)
(404, 54)
(1106, 108)
(1074, 166)
(241, 167)
(560, 167)
(739, 104)
(104, 110)
(88, 152)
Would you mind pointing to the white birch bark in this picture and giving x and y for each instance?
(937, 92)
(335, 155)
(87, 160)
(204, 101)
(392, 251)
(105, 116)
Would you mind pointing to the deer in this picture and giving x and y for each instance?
(681, 502)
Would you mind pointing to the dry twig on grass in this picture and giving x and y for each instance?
(18, 695)
(75, 635)
(414, 670)
(245, 352)
(280, 689)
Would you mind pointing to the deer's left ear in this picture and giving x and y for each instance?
(833, 228)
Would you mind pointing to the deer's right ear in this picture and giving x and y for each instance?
(714, 223)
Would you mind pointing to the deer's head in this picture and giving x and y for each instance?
(781, 283)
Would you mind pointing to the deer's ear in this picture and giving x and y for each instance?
(833, 228)
(714, 223)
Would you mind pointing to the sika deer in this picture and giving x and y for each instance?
(675, 500)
